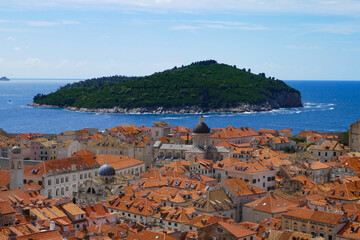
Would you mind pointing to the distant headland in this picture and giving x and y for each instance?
(4, 79)
(204, 86)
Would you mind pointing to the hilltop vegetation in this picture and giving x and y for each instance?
(206, 84)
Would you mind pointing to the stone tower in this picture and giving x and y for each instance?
(16, 169)
(201, 134)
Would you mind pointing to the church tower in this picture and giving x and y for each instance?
(201, 134)
(16, 169)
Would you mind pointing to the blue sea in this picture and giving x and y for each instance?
(328, 106)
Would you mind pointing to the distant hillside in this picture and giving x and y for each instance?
(200, 86)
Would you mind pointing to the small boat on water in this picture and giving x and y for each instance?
(10, 101)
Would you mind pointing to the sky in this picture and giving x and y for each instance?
(286, 39)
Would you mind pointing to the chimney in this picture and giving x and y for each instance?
(52, 225)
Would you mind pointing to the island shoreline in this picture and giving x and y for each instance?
(173, 110)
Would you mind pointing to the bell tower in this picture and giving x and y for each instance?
(16, 169)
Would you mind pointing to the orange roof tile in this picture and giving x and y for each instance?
(236, 230)
(315, 215)
(232, 132)
(50, 235)
(272, 203)
(118, 162)
(242, 188)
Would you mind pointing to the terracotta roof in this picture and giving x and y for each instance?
(4, 178)
(285, 130)
(352, 162)
(181, 129)
(6, 208)
(72, 209)
(232, 132)
(315, 215)
(351, 230)
(236, 230)
(94, 211)
(16, 197)
(151, 235)
(237, 165)
(175, 214)
(212, 201)
(49, 235)
(32, 186)
(272, 203)
(242, 188)
(98, 228)
(349, 191)
(206, 219)
(46, 213)
(129, 203)
(120, 230)
(84, 152)
(328, 145)
(178, 166)
(271, 131)
(316, 165)
(62, 165)
(118, 162)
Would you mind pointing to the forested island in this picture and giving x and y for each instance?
(204, 86)
(4, 79)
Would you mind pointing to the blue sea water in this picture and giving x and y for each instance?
(328, 106)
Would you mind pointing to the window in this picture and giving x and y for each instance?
(81, 176)
(254, 180)
(57, 181)
(62, 180)
(74, 177)
(318, 153)
(49, 182)
(67, 179)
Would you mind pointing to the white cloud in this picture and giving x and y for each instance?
(17, 48)
(10, 38)
(302, 47)
(326, 7)
(69, 22)
(41, 23)
(335, 28)
(202, 24)
(50, 23)
(184, 27)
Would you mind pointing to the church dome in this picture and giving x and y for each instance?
(201, 126)
(16, 150)
(106, 170)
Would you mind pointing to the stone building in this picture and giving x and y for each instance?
(61, 177)
(354, 136)
(228, 231)
(327, 150)
(201, 147)
(314, 222)
(16, 169)
(102, 187)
